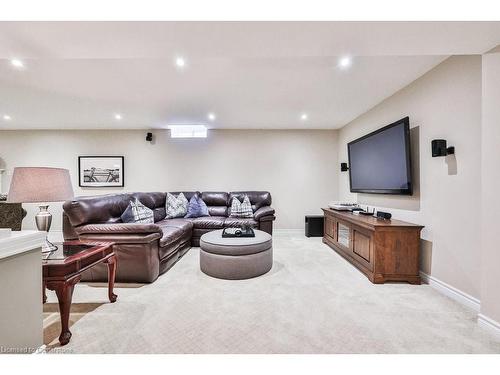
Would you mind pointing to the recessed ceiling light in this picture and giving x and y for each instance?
(17, 63)
(304, 116)
(180, 62)
(345, 62)
(7, 117)
(118, 116)
(211, 116)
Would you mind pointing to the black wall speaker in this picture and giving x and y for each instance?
(149, 137)
(383, 215)
(439, 148)
(344, 167)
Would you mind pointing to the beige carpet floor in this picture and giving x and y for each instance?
(312, 301)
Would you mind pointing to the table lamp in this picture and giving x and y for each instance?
(41, 184)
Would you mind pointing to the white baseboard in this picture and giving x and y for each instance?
(452, 292)
(489, 324)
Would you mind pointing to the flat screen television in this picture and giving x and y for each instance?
(380, 162)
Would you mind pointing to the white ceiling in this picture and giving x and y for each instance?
(250, 74)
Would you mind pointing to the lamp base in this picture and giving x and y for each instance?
(43, 221)
(43, 218)
(48, 247)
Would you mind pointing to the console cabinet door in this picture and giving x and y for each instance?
(329, 226)
(343, 232)
(362, 246)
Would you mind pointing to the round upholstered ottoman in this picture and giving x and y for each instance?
(236, 258)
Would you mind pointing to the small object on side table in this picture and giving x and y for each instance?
(62, 270)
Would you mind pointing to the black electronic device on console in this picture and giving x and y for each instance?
(364, 211)
(383, 215)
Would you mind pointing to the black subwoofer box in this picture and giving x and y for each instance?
(314, 225)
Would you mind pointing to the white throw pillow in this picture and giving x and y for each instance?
(136, 212)
(239, 209)
(176, 206)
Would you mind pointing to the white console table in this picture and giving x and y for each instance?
(21, 314)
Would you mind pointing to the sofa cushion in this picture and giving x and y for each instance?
(176, 206)
(232, 222)
(196, 208)
(185, 224)
(215, 198)
(169, 237)
(258, 199)
(217, 202)
(98, 209)
(209, 222)
(198, 232)
(136, 212)
(241, 209)
(218, 211)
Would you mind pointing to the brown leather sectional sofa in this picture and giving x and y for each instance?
(145, 251)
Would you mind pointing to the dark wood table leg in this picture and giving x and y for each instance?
(64, 292)
(111, 261)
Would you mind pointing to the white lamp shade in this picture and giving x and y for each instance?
(40, 184)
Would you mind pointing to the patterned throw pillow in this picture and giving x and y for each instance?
(176, 206)
(197, 208)
(136, 212)
(239, 209)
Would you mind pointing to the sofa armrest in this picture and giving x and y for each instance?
(263, 212)
(118, 228)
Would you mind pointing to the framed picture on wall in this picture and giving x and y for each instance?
(100, 171)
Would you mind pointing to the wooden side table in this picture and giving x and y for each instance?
(63, 268)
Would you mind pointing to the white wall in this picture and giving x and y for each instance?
(490, 150)
(444, 103)
(298, 167)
